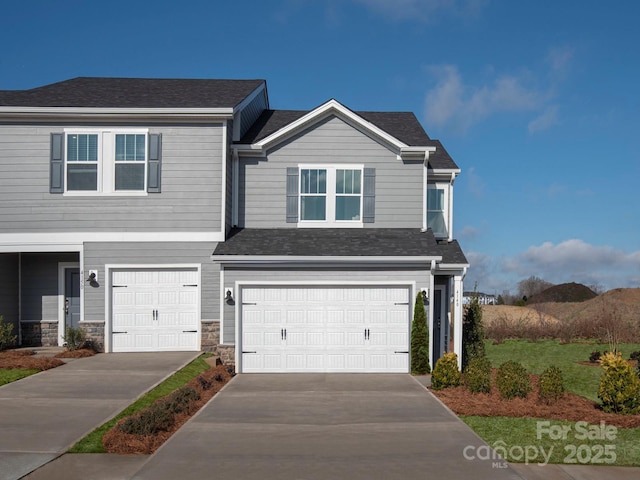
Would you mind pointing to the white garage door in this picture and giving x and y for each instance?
(325, 329)
(154, 310)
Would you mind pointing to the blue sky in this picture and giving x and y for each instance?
(537, 101)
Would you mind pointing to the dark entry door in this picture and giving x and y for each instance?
(72, 297)
(437, 324)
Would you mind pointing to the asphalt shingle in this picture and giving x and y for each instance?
(104, 92)
(347, 242)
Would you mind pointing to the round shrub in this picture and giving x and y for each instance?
(513, 380)
(595, 356)
(551, 385)
(619, 388)
(445, 373)
(477, 376)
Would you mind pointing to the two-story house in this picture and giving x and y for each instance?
(163, 214)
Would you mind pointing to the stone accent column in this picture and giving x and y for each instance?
(95, 333)
(227, 354)
(210, 335)
(458, 288)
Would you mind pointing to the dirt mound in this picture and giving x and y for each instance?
(565, 292)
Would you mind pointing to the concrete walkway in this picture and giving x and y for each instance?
(43, 415)
(322, 426)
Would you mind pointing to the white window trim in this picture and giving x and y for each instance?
(106, 161)
(330, 220)
(447, 205)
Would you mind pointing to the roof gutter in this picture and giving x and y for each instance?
(332, 260)
(62, 113)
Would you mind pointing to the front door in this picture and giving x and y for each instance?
(438, 323)
(72, 297)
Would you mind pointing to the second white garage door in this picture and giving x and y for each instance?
(325, 329)
(154, 310)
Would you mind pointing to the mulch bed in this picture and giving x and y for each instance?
(570, 407)
(80, 353)
(25, 359)
(116, 441)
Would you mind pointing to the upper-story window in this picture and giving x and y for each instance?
(437, 211)
(106, 161)
(331, 195)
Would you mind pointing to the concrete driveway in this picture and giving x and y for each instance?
(322, 426)
(43, 415)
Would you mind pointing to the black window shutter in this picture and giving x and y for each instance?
(155, 163)
(56, 174)
(369, 196)
(292, 194)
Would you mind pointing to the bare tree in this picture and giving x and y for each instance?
(532, 286)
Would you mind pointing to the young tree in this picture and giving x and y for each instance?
(419, 340)
(472, 332)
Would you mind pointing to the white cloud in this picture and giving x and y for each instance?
(476, 183)
(458, 103)
(454, 103)
(547, 119)
(569, 261)
(422, 10)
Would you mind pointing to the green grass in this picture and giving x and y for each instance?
(579, 379)
(92, 443)
(8, 375)
(518, 435)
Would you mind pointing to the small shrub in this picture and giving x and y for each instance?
(419, 339)
(149, 422)
(445, 373)
(513, 380)
(74, 338)
(477, 377)
(595, 356)
(7, 339)
(206, 384)
(181, 400)
(219, 378)
(231, 370)
(473, 333)
(619, 388)
(551, 385)
(635, 355)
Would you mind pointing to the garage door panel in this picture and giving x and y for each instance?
(155, 310)
(338, 329)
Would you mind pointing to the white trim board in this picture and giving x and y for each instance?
(73, 241)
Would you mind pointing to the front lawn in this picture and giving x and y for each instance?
(8, 375)
(578, 378)
(542, 440)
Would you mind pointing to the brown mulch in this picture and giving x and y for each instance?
(80, 353)
(570, 407)
(25, 359)
(115, 441)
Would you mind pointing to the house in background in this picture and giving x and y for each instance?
(164, 215)
(483, 298)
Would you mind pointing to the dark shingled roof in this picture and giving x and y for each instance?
(99, 92)
(348, 242)
(402, 125)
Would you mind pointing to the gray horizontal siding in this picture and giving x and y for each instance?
(40, 284)
(399, 196)
(9, 289)
(97, 255)
(364, 275)
(191, 186)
